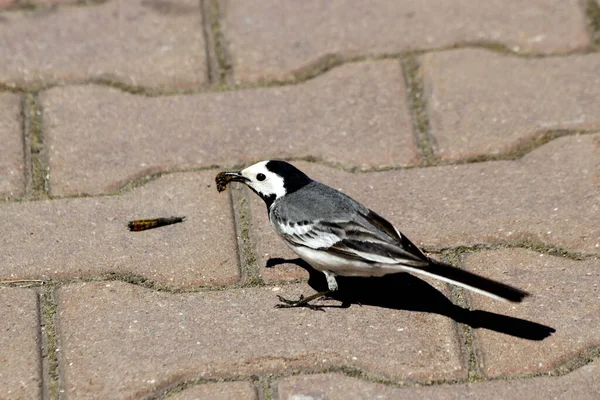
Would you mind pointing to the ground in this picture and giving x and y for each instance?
(473, 127)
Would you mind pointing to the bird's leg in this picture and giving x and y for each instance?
(331, 282)
(304, 301)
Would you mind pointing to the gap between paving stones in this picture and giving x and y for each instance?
(51, 376)
(253, 278)
(27, 5)
(246, 249)
(219, 65)
(265, 382)
(311, 71)
(41, 180)
(26, 130)
(518, 151)
(177, 388)
(210, 16)
(469, 349)
(418, 108)
(592, 12)
(266, 391)
(37, 178)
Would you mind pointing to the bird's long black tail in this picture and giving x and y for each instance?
(468, 280)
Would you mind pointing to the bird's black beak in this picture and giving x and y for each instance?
(223, 178)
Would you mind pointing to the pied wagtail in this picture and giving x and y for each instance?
(339, 236)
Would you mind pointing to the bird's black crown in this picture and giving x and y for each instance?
(293, 178)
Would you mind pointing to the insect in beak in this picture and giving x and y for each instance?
(223, 178)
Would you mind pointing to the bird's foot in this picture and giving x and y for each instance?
(302, 301)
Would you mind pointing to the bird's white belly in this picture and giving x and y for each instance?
(324, 261)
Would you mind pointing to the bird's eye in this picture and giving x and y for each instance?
(261, 177)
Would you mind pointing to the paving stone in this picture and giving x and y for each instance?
(549, 196)
(7, 3)
(12, 173)
(280, 39)
(87, 237)
(99, 137)
(566, 295)
(123, 341)
(157, 45)
(20, 375)
(584, 383)
(219, 391)
(482, 103)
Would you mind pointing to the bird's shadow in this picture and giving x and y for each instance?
(403, 291)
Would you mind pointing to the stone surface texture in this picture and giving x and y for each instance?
(565, 296)
(129, 333)
(154, 44)
(12, 158)
(21, 372)
(99, 138)
(88, 237)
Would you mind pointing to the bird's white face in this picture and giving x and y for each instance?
(266, 183)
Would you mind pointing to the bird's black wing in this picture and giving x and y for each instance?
(368, 238)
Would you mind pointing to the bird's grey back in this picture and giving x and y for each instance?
(316, 201)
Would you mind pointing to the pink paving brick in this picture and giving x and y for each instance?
(137, 43)
(12, 158)
(87, 237)
(482, 103)
(21, 372)
(565, 296)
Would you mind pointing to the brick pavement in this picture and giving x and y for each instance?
(475, 129)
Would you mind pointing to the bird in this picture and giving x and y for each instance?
(339, 236)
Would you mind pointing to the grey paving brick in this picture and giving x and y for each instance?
(21, 372)
(219, 391)
(565, 297)
(281, 39)
(157, 45)
(87, 237)
(121, 340)
(12, 159)
(550, 196)
(482, 103)
(99, 138)
(581, 384)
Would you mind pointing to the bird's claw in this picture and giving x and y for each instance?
(301, 302)
(290, 302)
